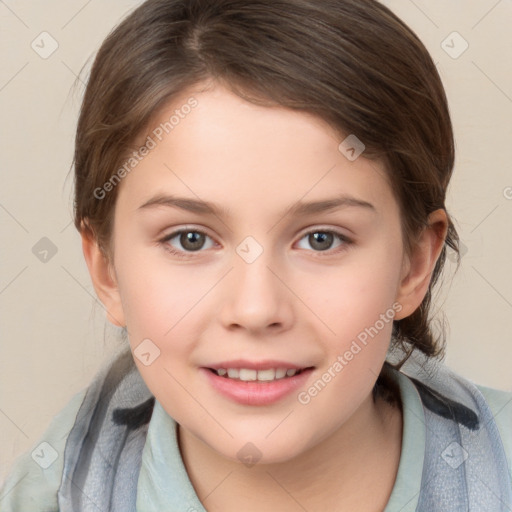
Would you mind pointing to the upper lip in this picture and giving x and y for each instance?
(257, 365)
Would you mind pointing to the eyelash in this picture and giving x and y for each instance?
(187, 255)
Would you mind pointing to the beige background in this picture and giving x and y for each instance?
(54, 334)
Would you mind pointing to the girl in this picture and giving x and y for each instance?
(260, 191)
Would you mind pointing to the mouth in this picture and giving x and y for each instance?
(249, 383)
(252, 375)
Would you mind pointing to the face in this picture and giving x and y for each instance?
(261, 281)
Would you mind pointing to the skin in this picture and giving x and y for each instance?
(295, 302)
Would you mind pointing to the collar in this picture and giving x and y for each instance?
(164, 483)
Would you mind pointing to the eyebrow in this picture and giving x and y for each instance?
(299, 209)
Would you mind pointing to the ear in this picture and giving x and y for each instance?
(418, 268)
(102, 275)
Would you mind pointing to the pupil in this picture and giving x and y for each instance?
(319, 238)
(192, 240)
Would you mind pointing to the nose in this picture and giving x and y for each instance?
(256, 297)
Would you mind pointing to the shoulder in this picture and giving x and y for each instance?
(35, 476)
(500, 403)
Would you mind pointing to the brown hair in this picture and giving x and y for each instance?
(352, 63)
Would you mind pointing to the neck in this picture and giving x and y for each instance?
(334, 475)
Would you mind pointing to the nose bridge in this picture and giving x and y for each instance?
(255, 298)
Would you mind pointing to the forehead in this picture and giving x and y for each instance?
(210, 144)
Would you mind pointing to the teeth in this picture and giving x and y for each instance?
(246, 374)
(267, 374)
(280, 373)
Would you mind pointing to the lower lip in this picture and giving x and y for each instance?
(255, 392)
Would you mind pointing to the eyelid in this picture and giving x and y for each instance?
(345, 240)
(311, 229)
(306, 231)
(187, 229)
(179, 253)
(315, 228)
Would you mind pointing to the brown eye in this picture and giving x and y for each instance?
(186, 241)
(192, 240)
(322, 240)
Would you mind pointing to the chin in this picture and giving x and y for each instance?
(260, 451)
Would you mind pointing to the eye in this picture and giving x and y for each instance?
(190, 240)
(322, 239)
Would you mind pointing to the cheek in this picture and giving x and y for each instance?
(161, 303)
(357, 307)
(157, 296)
(356, 293)
(359, 313)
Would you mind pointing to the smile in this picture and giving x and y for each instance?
(248, 374)
(256, 383)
